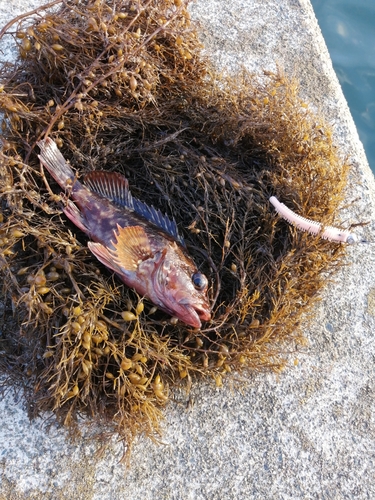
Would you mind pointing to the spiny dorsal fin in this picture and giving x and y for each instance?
(132, 246)
(115, 187)
(159, 219)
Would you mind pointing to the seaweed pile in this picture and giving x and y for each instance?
(122, 86)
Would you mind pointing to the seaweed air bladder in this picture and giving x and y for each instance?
(122, 88)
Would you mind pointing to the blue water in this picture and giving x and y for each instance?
(348, 27)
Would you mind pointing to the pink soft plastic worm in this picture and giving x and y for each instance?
(327, 232)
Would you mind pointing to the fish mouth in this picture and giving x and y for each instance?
(195, 315)
(204, 314)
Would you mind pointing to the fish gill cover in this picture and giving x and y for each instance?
(122, 86)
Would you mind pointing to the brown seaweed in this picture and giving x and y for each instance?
(123, 86)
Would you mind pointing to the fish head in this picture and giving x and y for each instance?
(179, 288)
(159, 268)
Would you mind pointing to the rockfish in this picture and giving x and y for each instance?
(134, 240)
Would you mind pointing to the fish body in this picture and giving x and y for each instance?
(134, 240)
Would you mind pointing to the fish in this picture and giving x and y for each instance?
(135, 240)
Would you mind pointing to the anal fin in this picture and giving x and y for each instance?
(73, 213)
(103, 255)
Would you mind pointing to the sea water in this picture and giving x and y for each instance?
(348, 27)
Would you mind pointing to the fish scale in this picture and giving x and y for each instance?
(136, 241)
(115, 188)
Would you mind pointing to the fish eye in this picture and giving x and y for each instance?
(199, 281)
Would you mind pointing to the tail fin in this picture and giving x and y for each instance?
(55, 163)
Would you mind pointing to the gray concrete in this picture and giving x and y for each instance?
(306, 434)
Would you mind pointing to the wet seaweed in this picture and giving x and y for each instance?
(123, 86)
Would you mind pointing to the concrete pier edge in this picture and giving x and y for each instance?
(307, 434)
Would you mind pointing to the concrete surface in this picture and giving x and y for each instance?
(307, 434)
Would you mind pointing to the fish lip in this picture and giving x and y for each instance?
(204, 314)
(196, 315)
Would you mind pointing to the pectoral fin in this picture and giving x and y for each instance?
(131, 248)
